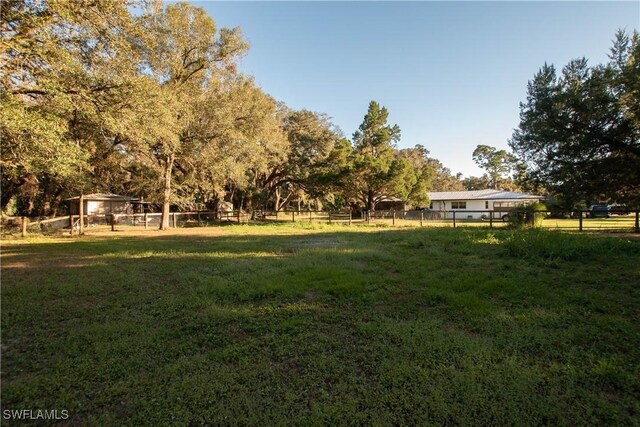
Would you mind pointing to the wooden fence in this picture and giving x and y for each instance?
(622, 220)
(563, 220)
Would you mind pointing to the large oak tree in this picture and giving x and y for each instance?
(67, 72)
(579, 131)
(184, 52)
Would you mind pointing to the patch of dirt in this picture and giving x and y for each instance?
(236, 332)
(44, 262)
(451, 327)
(312, 295)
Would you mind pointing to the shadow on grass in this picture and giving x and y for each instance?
(324, 325)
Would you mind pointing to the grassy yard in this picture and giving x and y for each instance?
(318, 324)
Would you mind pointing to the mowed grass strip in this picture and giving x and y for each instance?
(317, 324)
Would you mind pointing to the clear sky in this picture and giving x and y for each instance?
(452, 74)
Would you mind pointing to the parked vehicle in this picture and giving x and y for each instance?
(618, 209)
(599, 211)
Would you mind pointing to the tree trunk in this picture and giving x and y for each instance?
(55, 203)
(166, 197)
(277, 201)
(370, 205)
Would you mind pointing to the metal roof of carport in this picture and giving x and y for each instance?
(105, 197)
(481, 195)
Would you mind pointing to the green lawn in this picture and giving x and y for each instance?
(317, 324)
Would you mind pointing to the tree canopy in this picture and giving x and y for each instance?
(579, 132)
(371, 168)
(97, 98)
(65, 71)
(498, 164)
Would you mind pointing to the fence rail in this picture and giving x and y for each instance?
(627, 220)
(580, 220)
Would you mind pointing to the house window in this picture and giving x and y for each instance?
(458, 205)
(486, 205)
(431, 205)
(498, 205)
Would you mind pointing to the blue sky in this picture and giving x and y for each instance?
(452, 74)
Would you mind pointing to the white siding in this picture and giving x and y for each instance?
(99, 207)
(93, 208)
(479, 207)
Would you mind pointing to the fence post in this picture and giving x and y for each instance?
(174, 220)
(276, 216)
(421, 218)
(637, 228)
(329, 217)
(580, 221)
(199, 219)
(70, 225)
(491, 219)
(24, 226)
(81, 224)
(310, 216)
(238, 216)
(454, 219)
(113, 222)
(293, 216)
(146, 221)
(349, 217)
(394, 218)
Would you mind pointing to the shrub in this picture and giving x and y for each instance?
(529, 216)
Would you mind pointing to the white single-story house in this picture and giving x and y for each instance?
(480, 203)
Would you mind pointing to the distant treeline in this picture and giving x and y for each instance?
(147, 101)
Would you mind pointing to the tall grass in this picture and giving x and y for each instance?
(554, 245)
(317, 324)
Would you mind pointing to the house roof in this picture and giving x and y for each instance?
(107, 197)
(481, 195)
